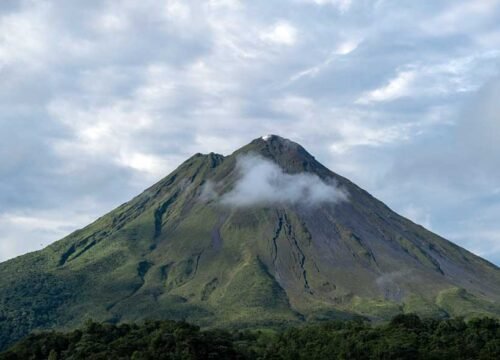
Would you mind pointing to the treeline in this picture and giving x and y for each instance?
(405, 337)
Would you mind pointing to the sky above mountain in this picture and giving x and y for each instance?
(99, 99)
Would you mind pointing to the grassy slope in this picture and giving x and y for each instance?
(167, 255)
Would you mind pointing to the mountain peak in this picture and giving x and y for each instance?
(276, 139)
(289, 155)
(218, 243)
(272, 137)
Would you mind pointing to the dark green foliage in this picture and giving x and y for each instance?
(151, 340)
(32, 302)
(405, 337)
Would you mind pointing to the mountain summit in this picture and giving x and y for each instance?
(265, 236)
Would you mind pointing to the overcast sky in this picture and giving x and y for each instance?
(99, 99)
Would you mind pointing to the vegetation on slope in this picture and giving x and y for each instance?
(177, 252)
(405, 337)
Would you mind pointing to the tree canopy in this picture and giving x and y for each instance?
(405, 337)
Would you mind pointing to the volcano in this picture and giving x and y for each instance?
(266, 236)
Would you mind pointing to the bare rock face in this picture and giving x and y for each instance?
(265, 236)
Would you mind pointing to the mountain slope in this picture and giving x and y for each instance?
(206, 246)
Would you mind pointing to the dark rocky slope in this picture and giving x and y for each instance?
(181, 250)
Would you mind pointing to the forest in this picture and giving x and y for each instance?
(404, 337)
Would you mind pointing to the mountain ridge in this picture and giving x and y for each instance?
(182, 250)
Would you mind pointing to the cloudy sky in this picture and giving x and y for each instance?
(99, 99)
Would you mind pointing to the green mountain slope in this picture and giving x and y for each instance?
(177, 251)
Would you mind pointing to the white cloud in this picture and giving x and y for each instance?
(397, 87)
(35, 230)
(346, 128)
(111, 22)
(263, 182)
(347, 46)
(462, 16)
(24, 37)
(232, 4)
(177, 10)
(110, 132)
(344, 48)
(436, 78)
(489, 39)
(300, 106)
(281, 33)
(482, 242)
(418, 215)
(356, 134)
(148, 163)
(342, 5)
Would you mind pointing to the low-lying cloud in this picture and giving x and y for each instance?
(263, 182)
